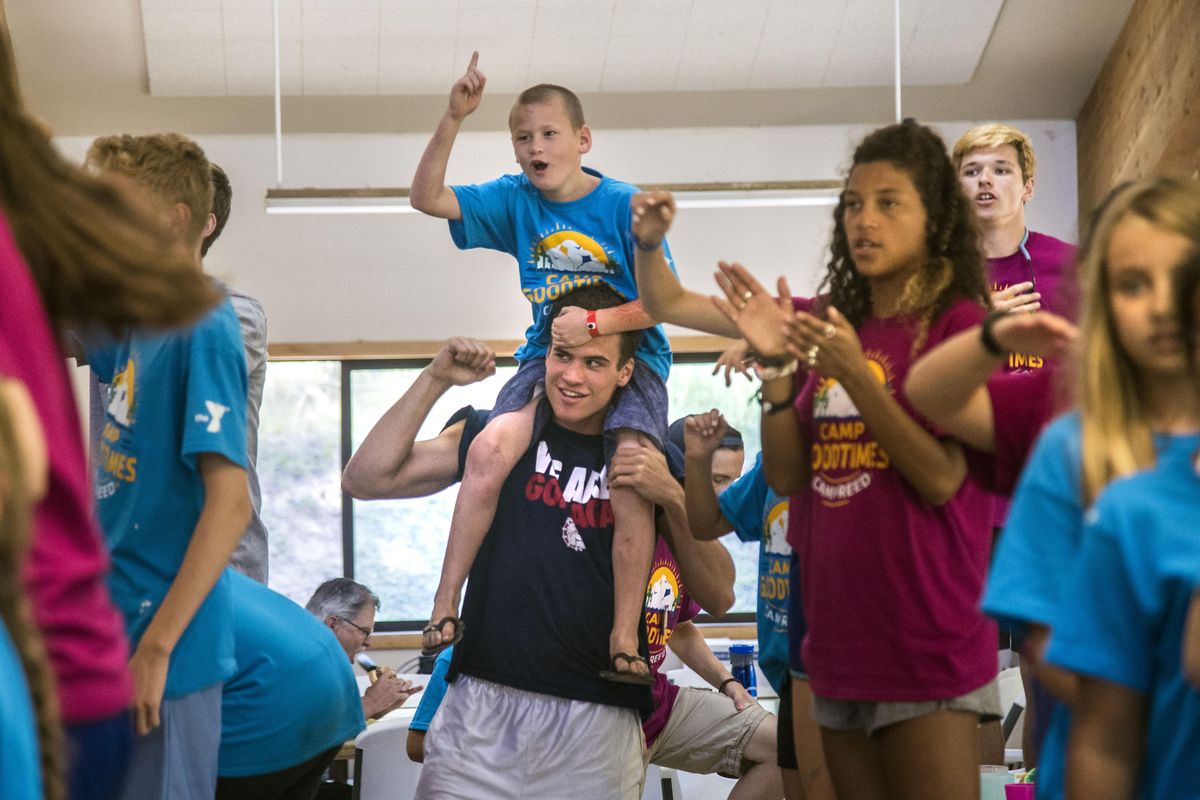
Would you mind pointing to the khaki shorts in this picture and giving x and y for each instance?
(844, 715)
(706, 734)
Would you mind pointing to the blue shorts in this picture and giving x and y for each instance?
(797, 627)
(640, 405)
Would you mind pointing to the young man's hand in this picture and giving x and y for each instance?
(149, 671)
(742, 699)
(643, 468)
(702, 434)
(652, 213)
(462, 361)
(1018, 298)
(467, 90)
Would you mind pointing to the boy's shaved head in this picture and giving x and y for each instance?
(545, 93)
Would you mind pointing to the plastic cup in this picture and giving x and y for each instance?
(1019, 791)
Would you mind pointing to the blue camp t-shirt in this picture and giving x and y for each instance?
(1122, 614)
(293, 696)
(1039, 545)
(171, 397)
(559, 247)
(432, 694)
(20, 762)
(760, 515)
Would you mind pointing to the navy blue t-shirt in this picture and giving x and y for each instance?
(539, 604)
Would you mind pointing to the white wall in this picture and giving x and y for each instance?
(398, 277)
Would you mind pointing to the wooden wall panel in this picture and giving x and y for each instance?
(1143, 114)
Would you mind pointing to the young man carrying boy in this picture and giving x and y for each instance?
(568, 227)
(526, 713)
(171, 491)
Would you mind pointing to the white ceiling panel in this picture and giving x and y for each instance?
(610, 45)
(198, 66)
(339, 66)
(250, 67)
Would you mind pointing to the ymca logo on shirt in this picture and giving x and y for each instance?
(213, 417)
(844, 454)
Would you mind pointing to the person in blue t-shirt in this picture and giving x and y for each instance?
(171, 491)
(1135, 729)
(291, 704)
(751, 509)
(567, 227)
(435, 690)
(1133, 369)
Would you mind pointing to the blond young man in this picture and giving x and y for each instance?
(1028, 270)
(171, 490)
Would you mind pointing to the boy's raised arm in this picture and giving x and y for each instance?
(430, 194)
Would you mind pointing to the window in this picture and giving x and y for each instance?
(315, 413)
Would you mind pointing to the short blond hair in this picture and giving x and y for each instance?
(169, 164)
(997, 134)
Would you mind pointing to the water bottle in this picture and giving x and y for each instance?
(741, 665)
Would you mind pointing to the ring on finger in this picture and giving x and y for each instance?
(746, 295)
(811, 355)
(829, 330)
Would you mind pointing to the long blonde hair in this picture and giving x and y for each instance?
(15, 513)
(1117, 429)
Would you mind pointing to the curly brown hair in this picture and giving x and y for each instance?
(954, 267)
(98, 259)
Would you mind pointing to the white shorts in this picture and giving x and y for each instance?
(489, 741)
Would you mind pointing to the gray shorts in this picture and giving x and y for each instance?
(178, 759)
(844, 715)
(640, 405)
(489, 741)
(706, 734)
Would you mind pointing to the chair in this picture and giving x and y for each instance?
(661, 784)
(382, 770)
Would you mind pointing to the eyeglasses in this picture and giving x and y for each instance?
(366, 632)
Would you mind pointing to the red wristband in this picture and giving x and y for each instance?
(593, 328)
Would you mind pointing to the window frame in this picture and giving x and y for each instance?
(348, 364)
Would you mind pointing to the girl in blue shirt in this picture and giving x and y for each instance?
(1135, 396)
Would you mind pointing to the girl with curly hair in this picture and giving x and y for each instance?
(890, 529)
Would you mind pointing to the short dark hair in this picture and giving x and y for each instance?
(594, 297)
(222, 201)
(544, 93)
(341, 597)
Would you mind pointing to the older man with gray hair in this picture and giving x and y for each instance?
(348, 608)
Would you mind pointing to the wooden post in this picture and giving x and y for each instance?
(1142, 116)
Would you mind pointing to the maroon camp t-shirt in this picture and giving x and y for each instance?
(667, 605)
(890, 583)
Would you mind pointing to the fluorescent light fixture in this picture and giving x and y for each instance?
(770, 194)
(338, 201)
